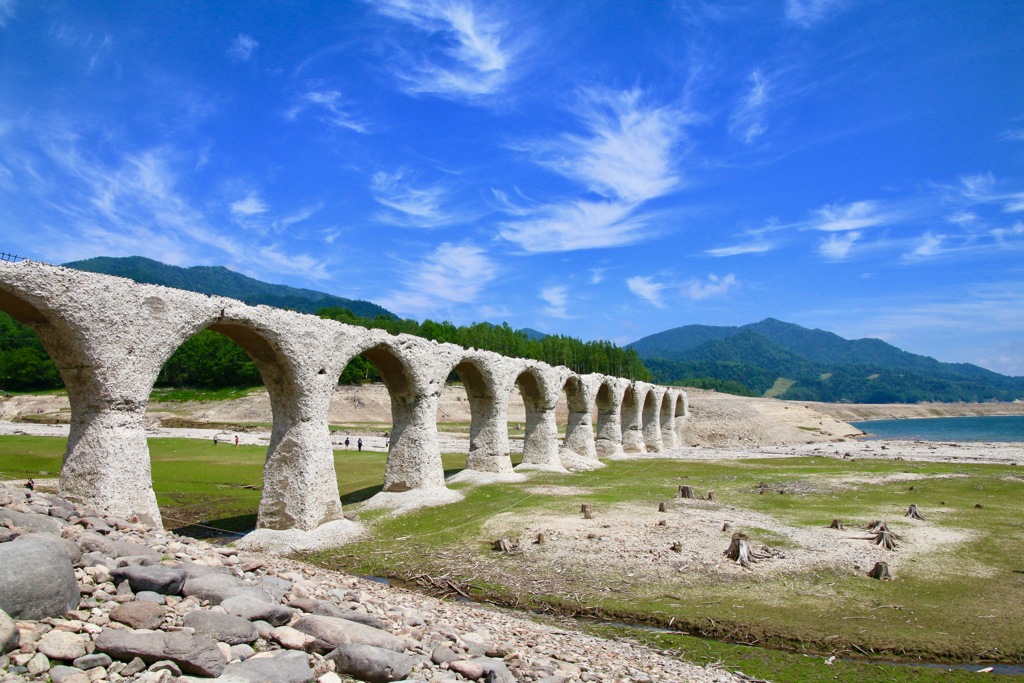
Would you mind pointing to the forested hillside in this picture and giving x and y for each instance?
(792, 362)
(219, 281)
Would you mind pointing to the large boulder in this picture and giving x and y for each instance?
(331, 632)
(139, 614)
(193, 654)
(253, 608)
(224, 628)
(325, 608)
(155, 578)
(369, 663)
(10, 638)
(29, 521)
(37, 579)
(219, 587)
(278, 666)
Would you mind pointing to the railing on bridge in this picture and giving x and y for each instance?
(4, 256)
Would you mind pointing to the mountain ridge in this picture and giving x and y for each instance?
(814, 365)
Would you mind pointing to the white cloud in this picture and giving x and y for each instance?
(962, 218)
(576, 225)
(747, 121)
(251, 205)
(477, 52)
(853, 216)
(242, 48)
(714, 286)
(1013, 135)
(452, 274)
(808, 13)
(626, 156)
(646, 288)
(331, 105)
(6, 11)
(756, 246)
(626, 151)
(597, 275)
(556, 298)
(411, 205)
(978, 187)
(836, 247)
(926, 246)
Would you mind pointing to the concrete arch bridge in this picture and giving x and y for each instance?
(110, 336)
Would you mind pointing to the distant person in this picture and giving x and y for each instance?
(30, 485)
(346, 443)
(214, 439)
(359, 444)
(236, 439)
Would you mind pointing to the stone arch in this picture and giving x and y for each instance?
(540, 442)
(632, 425)
(414, 456)
(609, 418)
(681, 410)
(488, 425)
(579, 450)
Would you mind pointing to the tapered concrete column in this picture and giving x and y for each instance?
(632, 421)
(106, 465)
(488, 380)
(540, 443)
(414, 461)
(609, 418)
(668, 422)
(682, 418)
(579, 451)
(651, 422)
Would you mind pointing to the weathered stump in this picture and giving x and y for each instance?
(505, 545)
(725, 526)
(913, 513)
(836, 524)
(677, 547)
(686, 491)
(740, 552)
(886, 539)
(662, 507)
(711, 495)
(540, 539)
(662, 523)
(876, 525)
(587, 510)
(880, 571)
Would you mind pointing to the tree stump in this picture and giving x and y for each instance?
(836, 524)
(886, 539)
(711, 495)
(913, 513)
(540, 539)
(880, 571)
(587, 511)
(505, 545)
(725, 527)
(662, 507)
(740, 552)
(876, 525)
(686, 491)
(677, 547)
(662, 523)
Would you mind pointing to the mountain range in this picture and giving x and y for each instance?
(220, 281)
(776, 358)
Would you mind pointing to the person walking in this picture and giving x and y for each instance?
(236, 439)
(359, 444)
(346, 443)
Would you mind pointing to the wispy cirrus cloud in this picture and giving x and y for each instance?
(747, 122)
(625, 156)
(809, 13)
(330, 106)
(557, 300)
(853, 216)
(6, 12)
(837, 246)
(132, 203)
(452, 274)
(755, 246)
(411, 204)
(473, 52)
(713, 286)
(242, 48)
(646, 288)
(250, 205)
(926, 246)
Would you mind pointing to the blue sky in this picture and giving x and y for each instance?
(600, 169)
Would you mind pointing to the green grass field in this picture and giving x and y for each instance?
(970, 611)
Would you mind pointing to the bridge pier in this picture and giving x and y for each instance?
(651, 419)
(632, 424)
(540, 442)
(579, 451)
(609, 418)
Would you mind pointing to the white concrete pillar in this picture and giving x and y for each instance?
(632, 423)
(488, 387)
(650, 416)
(668, 422)
(609, 417)
(540, 443)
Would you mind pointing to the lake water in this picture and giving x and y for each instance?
(1009, 428)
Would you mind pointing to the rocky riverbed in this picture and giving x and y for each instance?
(87, 598)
